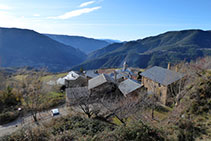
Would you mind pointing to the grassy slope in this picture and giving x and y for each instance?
(191, 109)
(50, 99)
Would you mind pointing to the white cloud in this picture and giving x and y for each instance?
(75, 13)
(86, 3)
(4, 7)
(8, 20)
(36, 15)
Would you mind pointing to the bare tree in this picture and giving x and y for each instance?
(124, 107)
(31, 89)
(82, 98)
(105, 106)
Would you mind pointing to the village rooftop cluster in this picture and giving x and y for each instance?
(126, 82)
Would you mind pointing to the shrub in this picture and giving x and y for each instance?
(8, 117)
(79, 128)
(80, 125)
(136, 132)
(51, 100)
(188, 131)
(28, 134)
(201, 96)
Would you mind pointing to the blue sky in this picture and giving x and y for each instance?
(107, 19)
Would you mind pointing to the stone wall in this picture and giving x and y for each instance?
(160, 90)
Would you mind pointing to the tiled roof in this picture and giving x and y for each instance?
(128, 86)
(161, 75)
(99, 80)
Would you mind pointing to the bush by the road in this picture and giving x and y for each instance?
(9, 101)
(8, 117)
(80, 128)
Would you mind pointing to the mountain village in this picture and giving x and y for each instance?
(125, 82)
(105, 70)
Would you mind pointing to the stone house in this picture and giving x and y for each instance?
(101, 85)
(80, 81)
(130, 88)
(76, 95)
(125, 73)
(161, 82)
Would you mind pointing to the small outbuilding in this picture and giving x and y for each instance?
(76, 95)
(101, 85)
(129, 87)
(81, 81)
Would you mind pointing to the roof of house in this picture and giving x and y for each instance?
(122, 74)
(161, 75)
(118, 75)
(126, 71)
(70, 76)
(76, 93)
(128, 86)
(91, 73)
(99, 80)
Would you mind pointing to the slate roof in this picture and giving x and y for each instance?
(91, 73)
(127, 71)
(118, 75)
(99, 80)
(161, 75)
(76, 93)
(128, 86)
(122, 73)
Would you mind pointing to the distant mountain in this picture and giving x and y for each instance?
(21, 47)
(86, 45)
(158, 50)
(105, 50)
(111, 41)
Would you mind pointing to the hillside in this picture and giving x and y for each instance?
(158, 50)
(186, 119)
(87, 45)
(21, 47)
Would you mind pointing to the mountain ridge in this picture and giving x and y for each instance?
(172, 46)
(85, 44)
(23, 47)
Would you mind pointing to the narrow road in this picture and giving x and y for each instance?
(9, 128)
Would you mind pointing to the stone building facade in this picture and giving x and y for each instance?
(161, 82)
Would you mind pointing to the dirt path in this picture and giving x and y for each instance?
(9, 128)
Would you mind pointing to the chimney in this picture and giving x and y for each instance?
(125, 65)
(176, 68)
(169, 66)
